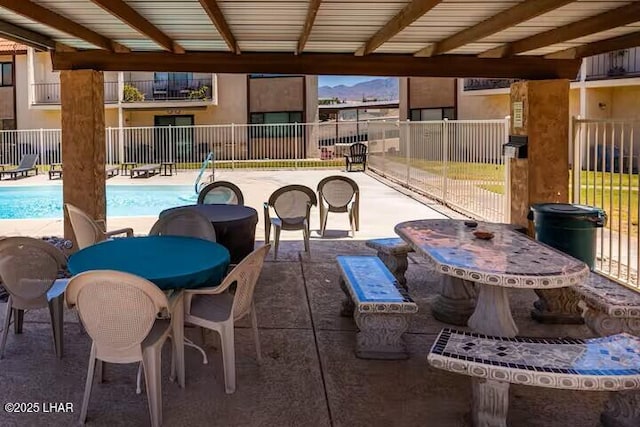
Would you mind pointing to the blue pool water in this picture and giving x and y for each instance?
(122, 200)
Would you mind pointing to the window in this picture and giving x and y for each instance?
(7, 74)
(285, 117)
(426, 114)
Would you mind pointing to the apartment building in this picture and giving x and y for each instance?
(607, 87)
(8, 53)
(135, 99)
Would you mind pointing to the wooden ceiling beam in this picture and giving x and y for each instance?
(37, 13)
(217, 17)
(515, 15)
(526, 67)
(596, 48)
(132, 18)
(605, 21)
(407, 16)
(26, 37)
(314, 5)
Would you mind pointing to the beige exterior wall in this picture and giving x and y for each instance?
(6, 95)
(276, 94)
(431, 92)
(483, 107)
(403, 98)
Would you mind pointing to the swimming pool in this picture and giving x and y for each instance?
(122, 200)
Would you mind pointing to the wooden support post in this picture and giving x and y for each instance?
(540, 110)
(83, 143)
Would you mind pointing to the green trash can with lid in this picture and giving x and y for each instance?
(570, 228)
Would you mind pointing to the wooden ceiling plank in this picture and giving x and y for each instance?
(26, 37)
(515, 15)
(605, 21)
(314, 5)
(132, 18)
(527, 67)
(217, 17)
(626, 41)
(407, 16)
(37, 13)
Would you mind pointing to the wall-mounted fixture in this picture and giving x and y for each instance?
(602, 105)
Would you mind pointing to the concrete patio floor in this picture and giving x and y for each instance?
(381, 206)
(309, 375)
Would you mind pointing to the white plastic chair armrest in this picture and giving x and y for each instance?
(127, 231)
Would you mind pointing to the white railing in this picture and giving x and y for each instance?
(458, 162)
(605, 174)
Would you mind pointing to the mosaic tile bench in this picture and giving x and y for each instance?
(380, 309)
(393, 253)
(599, 364)
(611, 308)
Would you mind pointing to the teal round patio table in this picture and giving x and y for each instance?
(170, 262)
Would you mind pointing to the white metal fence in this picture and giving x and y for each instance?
(605, 174)
(458, 162)
(242, 145)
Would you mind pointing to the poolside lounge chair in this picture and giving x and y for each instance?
(27, 164)
(55, 171)
(145, 171)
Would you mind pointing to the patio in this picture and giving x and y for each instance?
(310, 374)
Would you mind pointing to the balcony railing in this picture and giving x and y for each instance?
(484, 84)
(49, 93)
(137, 91)
(623, 63)
(168, 90)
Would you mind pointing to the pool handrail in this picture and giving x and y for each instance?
(209, 158)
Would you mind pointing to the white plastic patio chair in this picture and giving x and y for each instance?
(89, 231)
(341, 194)
(222, 192)
(29, 270)
(218, 309)
(184, 222)
(125, 316)
(292, 205)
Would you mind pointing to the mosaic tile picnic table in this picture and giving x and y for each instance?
(509, 260)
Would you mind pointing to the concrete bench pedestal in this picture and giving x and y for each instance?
(393, 253)
(381, 311)
(610, 308)
(600, 364)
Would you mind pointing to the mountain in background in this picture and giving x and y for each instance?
(380, 89)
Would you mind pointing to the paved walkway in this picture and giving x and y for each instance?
(381, 206)
(309, 377)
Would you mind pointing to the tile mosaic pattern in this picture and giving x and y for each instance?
(372, 286)
(609, 363)
(510, 259)
(391, 246)
(610, 297)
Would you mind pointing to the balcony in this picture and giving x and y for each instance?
(195, 89)
(618, 64)
(486, 84)
(49, 93)
(138, 91)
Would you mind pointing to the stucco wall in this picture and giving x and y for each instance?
(431, 92)
(482, 107)
(274, 94)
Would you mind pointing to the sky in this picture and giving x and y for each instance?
(342, 80)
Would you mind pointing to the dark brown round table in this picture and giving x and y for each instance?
(235, 226)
